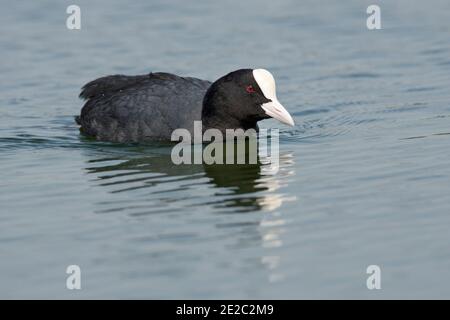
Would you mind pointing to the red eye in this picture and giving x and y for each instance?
(250, 89)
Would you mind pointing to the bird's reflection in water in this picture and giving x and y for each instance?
(143, 182)
(151, 175)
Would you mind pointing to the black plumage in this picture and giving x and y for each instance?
(149, 107)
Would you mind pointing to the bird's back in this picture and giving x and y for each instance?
(140, 108)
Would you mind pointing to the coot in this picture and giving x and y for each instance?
(150, 107)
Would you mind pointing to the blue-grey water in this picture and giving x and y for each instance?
(364, 175)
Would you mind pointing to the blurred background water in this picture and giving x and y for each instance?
(364, 176)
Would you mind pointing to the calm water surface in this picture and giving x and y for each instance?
(364, 176)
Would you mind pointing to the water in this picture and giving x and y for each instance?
(363, 180)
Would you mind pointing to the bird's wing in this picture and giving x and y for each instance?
(110, 84)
